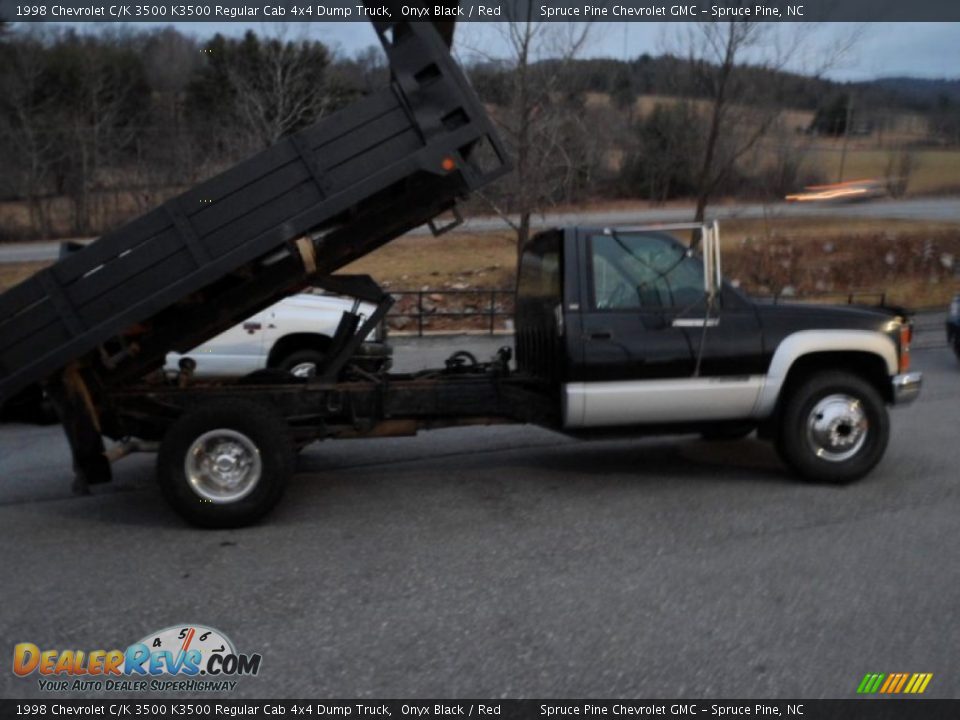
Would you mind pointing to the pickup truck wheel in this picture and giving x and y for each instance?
(834, 428)
(302, 364)
(225, 463)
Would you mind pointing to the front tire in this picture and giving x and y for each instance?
(834, 428)
(225, 463)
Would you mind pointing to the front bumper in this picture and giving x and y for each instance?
(906, 387)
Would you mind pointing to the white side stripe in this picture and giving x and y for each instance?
(635, 402)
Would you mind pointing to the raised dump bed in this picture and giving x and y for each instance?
(233, 244)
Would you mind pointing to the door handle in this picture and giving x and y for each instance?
(695, 322)
(601, 335)
(251, 327)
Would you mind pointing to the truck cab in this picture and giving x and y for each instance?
(636, 331)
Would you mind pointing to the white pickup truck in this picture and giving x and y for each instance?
(292, 335)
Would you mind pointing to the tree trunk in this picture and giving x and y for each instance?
(705, 182)
(523, 234)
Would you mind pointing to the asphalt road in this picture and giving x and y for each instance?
(930, 209)
(935, 209)
(510, 561)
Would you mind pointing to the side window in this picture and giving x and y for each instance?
(540, 272)
(643, 271)
(610, 287)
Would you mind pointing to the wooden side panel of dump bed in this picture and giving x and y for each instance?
(355, 179)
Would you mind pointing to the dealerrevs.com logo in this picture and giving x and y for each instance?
(186, 658)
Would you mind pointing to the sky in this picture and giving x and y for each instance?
(926, 50)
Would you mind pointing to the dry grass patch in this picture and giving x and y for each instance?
(481, 260)
(913, 264)
(733, 231)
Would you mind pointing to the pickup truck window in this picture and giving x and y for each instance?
(643, 271)
(540, 272)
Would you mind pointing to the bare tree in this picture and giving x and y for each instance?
(100, 126)
(783, 159)
(541, 124)
(280, 87)
(740, 67)
(901, 165)
(367, 70)
(25, 132)
(663, 152)
(164, 154)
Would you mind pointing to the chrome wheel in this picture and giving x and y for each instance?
(837, 427)
(304, 370)
(223, 466)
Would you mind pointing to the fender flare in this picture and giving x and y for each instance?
(808, 342)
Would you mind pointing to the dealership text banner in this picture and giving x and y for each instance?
(487, 11)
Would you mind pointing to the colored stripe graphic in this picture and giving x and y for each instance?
(894, 683)
(870, 683)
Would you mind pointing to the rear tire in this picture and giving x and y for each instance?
(302, 364)
(834, 428)
(225, 463)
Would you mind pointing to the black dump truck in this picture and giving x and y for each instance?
(618, 331)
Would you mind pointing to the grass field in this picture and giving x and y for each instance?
(937, 171)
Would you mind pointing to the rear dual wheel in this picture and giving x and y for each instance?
(225, 463)
(834, 428)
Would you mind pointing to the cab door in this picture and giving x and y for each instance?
(654, 350)
(628, 313)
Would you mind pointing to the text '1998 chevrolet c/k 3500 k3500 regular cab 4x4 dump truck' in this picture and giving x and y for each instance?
(623, 331)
